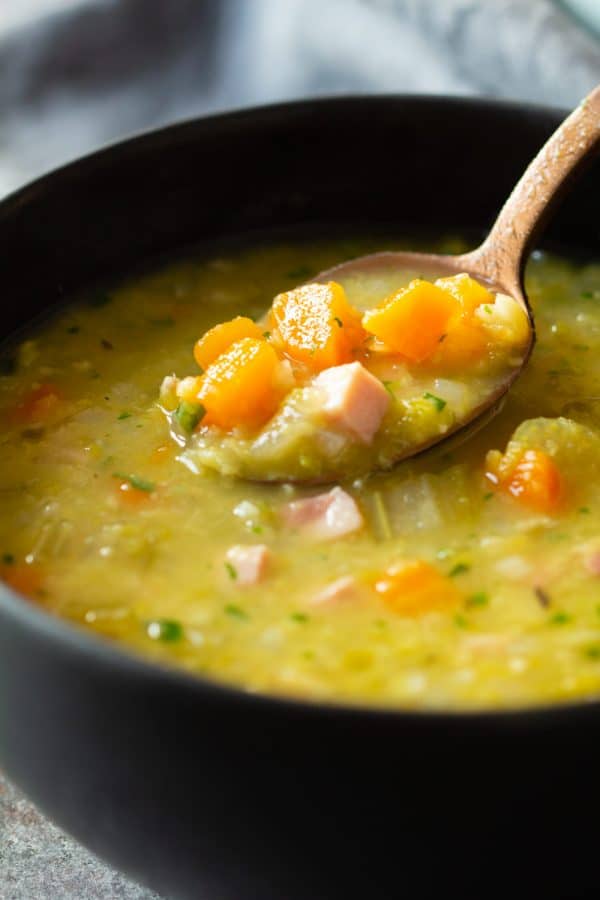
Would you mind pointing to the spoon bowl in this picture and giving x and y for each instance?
(499, 262)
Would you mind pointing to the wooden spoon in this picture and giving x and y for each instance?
(499, 262)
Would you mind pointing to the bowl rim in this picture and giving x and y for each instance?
(68, 636)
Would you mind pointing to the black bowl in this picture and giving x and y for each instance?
(200, 790)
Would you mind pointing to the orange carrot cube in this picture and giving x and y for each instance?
(244, 386)
(533, 479)
(414, 588)
(469, 293)
(220, 338)
(413, 321)
(316, 325)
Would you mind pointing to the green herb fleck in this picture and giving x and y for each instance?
(488, 496)
(8, 559)
(560, 618)
(592, 652)
(189, 415)
(487, 308)
(73, 329)
(140, 484)
(480, 598)
(584, 509)
(388, 385)
(167, 630)
(266, 335)
(459, 569)
(339, 321)
(231, 570)
(586, 295)
(124, 415)
(460, 621)
(437, 401)
(236, 612)
(299, 617)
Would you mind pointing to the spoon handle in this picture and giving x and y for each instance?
(502, 256)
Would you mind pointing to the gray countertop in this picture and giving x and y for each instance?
(39, 862)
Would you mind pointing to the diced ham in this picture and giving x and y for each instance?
(339, 591)
(353, 399)
(592, 563)
(250, 562)
(324, 516)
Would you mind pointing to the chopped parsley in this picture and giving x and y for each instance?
(437, 401)
(266, 335)
(73, 329)
(560, 618)
(299, 617)
(124, 415)
(189, 415)
(231, 570)
(167, 630)
(459, 569)
(460, 621)
(8, 559)
(140, 484)
(592, 652)
(236, 612)
(339, 321)
(479, 598)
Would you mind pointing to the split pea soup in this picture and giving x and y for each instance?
(466, 577)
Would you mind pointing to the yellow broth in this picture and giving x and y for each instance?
(104, 524)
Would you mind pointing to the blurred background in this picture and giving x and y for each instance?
(76, 74)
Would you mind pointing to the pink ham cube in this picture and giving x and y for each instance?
(249, 561)
(353, 399)
(324, 516)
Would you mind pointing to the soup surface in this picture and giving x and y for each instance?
(467, 577)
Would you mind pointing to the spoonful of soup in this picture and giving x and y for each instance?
(379, 357)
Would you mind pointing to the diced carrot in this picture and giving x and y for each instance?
(465, 342)
(316, 325)
(26, 579)
(130, 495)
(465, 339)
(413, 321)
(533, 479)
(469, 293)
(414, 588)
(244, 386)
(37, 405)
(220, 338)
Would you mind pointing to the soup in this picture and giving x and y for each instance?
(468, 576)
